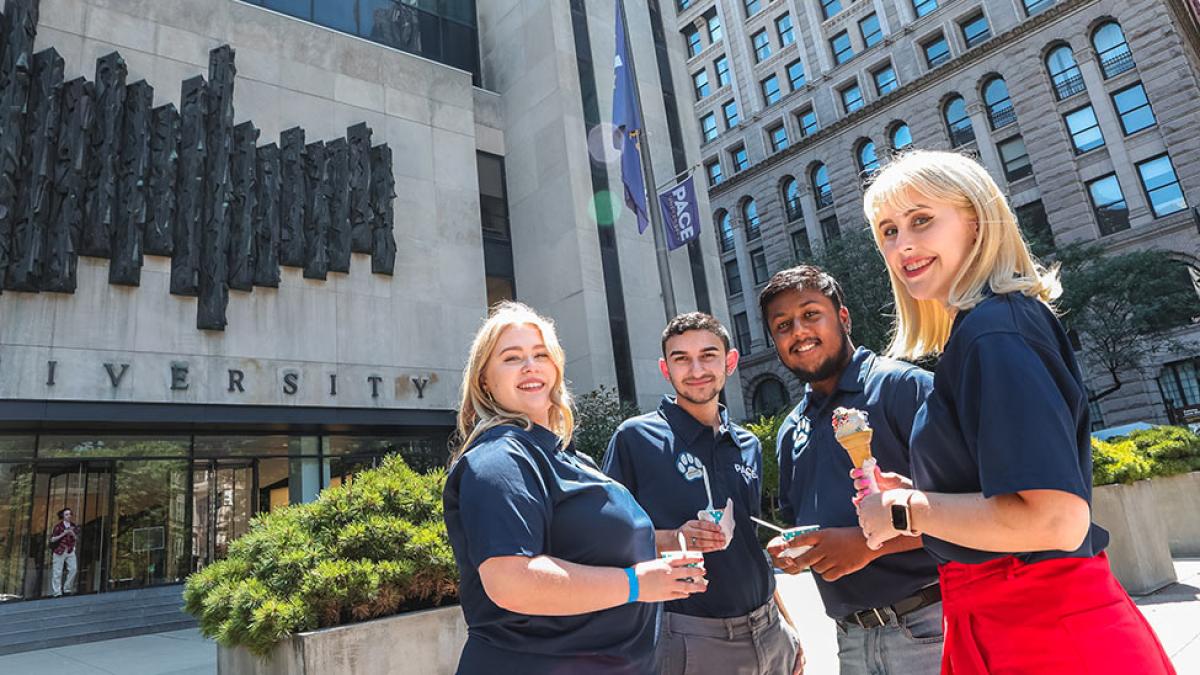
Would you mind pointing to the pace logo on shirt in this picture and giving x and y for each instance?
(800, 436)
(746, 472)
(689, 466)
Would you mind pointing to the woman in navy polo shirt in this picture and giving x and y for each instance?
(1001, 455)
(557, 564)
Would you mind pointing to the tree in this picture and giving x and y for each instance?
(598, 413)
(854, 260)
(1124, 306)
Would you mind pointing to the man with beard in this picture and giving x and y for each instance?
(886, 603)
(685, 458)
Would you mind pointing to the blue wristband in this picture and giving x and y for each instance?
(633, 584)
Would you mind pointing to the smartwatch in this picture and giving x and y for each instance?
(902, 518)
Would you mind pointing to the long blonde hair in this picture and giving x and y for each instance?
(999, 258)
(477, 410)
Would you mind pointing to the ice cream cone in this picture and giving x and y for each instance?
(858, 446)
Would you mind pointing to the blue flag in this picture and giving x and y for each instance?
(681, 213)
(627, 119)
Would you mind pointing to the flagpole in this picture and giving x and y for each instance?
(660, 249)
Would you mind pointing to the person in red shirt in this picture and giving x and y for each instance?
(64, 538)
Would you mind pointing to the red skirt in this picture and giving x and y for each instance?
(1056, 617)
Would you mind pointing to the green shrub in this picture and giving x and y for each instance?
(767, 430)
(1161, 451)
(598, 413)
(372, 547)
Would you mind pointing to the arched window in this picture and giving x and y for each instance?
(868, 162)
(999, 105)
(901, 137)
(770, 397)
(725, 223)
(1064, 72)
(791, 199)
(958, 123)
(822, 190)
(1111, 49)
(750, 218)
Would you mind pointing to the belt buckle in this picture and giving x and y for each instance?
(879, 617)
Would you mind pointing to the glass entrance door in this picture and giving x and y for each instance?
(223, 502)
(86, 489)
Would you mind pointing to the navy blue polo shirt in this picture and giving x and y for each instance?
(516, 492)
(1008, 413)
(652, 455)
(814, 473)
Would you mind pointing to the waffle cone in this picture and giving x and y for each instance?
(858, 446)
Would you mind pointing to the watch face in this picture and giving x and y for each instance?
(899, 518)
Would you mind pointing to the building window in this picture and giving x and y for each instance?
(770, 90)
(731, 114)
(750, 218)
(807, 119)
(740, 161)
(1134, 108)
(885, 80)
(758, 261)
(872, 34)
(868, 161)
(976, 30)
(683, 4)
(714, 26)
(937, 51)
(822, 190)
(1064, 72)
(1015, 159)
(725, 223)
(999, 106)
(958, 123)
(1112, 214)
(694, 44)
(722, 64)
(770, 397)
(1180, 383)
(923, 7)
(783, 25)
(801, 247)
(741, 331)
(752, 7)
(1035, 227)
(1111, 49)
(1034, 6)
(762, 46)
(733, 279)
(901, 137)
(493, 215)
(791, 200)
(795, 73)
(851, 98)
(1161, 186)
(779, 138)
(830, 228)
(708, 127)
(1084, 129)
(830, 7)
(700, 83)
(713, 169)
(842, 49)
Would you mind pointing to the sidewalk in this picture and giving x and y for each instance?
(1174, 612)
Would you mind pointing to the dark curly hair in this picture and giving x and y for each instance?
(694, 321)
(801, 278)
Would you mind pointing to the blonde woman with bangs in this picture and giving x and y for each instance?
(1001, 455)
(557, 562)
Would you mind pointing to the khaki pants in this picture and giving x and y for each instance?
(759, 643)
(56, 578)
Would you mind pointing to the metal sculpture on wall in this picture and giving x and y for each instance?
(93, 168)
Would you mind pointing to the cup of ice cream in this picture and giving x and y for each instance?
(791, 533)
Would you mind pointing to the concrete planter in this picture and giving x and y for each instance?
(428, 642)
(1139, 553)
(1179, 509)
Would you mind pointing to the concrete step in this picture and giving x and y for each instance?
(94, 636)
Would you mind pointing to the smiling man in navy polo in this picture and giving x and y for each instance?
(687, 457)
(886, 603)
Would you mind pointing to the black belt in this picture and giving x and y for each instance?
(873, 618)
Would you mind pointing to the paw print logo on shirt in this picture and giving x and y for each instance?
(800, 436)
(689, 466)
